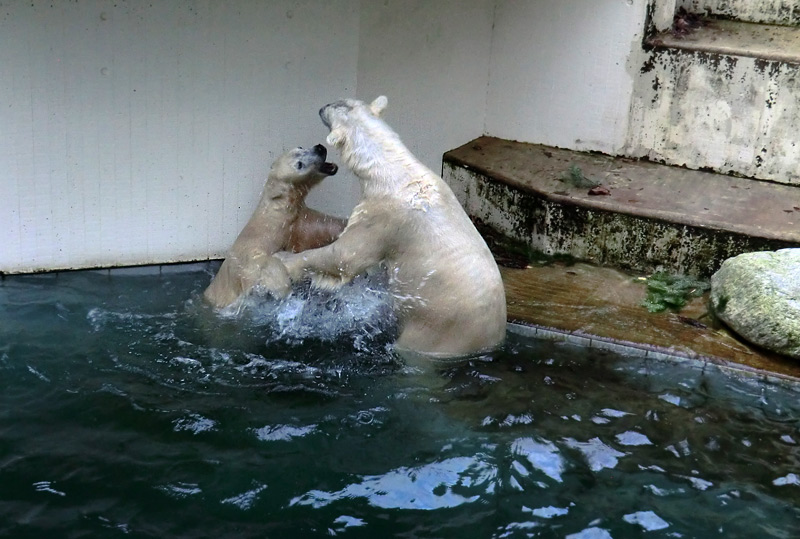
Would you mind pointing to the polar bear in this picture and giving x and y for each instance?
(281, 221)
(447, 292)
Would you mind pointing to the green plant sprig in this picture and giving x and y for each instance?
(666, 291)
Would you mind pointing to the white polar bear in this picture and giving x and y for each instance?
(447, 292)
(281, 221)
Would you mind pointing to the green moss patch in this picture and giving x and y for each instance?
(575, 177)
(671, 292)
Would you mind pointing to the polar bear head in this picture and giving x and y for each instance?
(302, 167)
(365, 141)
(343, 116)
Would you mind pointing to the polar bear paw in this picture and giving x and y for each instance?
(272, 279)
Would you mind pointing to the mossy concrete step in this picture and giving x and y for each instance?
(654, 217)
(722, 96)
(783, 12)
(767, 42)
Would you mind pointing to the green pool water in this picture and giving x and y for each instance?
(128, 409)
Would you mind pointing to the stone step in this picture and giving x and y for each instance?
(784, 12)
(768, 42)
(723, 97)
(654, 217)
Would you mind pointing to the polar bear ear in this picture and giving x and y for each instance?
(378, 106)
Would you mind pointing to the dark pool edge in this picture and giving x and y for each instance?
(647, 351)
(520, 327)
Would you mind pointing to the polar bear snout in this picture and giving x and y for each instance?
(329, 169)
(321, 152)
(323, 116)
(335, 111)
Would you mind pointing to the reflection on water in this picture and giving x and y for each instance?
(127, 408)
(430, 486)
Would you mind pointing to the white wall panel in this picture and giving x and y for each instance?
(559, 72)
(431, 59)
(141, 132)
(137, 132)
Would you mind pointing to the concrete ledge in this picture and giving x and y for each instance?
(783, 12)
(601, 307)
(736, 38)
(627, 348)
(654, 217)
(143, 270)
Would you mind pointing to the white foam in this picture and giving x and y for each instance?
(283, 433)
(181, 490)
(47, 486)
(194, 423)
(360, 312)
(245, 500)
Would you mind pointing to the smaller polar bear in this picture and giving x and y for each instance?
(281, 222)
(447, 292)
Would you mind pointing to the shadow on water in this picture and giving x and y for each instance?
(127, 409)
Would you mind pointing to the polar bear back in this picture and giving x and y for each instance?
(456, 284)
(448, 294)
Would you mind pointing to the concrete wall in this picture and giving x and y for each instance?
(138, 132)
(141, 132)
(560, 74)
(432, 60)
(735, 115)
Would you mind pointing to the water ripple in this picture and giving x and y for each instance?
(283, 433)
(542, 456)
(245, 500)
(597, 454)
(647, 520)
(428, 487)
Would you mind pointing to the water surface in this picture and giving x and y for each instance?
(128, 409)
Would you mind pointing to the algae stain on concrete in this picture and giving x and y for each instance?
(561, 225)
(734, 115)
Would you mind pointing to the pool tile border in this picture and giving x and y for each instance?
(146, 270)
(647, 351)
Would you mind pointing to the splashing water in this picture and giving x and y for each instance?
(360, 311)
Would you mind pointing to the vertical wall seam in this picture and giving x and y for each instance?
(358, 43)
(489, 69)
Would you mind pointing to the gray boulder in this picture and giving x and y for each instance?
(758, 296)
